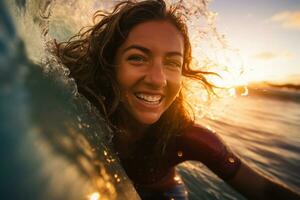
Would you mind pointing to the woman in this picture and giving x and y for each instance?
(131, 65)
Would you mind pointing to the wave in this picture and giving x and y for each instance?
(54, 144)
(280, 94)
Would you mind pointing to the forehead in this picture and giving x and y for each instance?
(156, 35)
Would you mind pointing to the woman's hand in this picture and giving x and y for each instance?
(253, 185)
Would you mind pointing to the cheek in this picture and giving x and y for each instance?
(175, 86)
(122, 84)
(122, 77)
(177, 81)
(124, 87)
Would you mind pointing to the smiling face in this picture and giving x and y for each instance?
(148, 72)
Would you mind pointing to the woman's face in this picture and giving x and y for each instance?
(149, 67)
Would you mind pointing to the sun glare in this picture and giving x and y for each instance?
(94, 196)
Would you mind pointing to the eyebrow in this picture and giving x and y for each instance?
(148, 52)
(141, 48)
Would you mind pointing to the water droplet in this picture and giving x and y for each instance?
(179, 153)
(94, 196)
(231, 160)
(177, 179)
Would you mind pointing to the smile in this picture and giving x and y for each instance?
(149, 99)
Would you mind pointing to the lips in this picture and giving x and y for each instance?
(149, 98)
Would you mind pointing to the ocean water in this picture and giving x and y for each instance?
(53, 143)
(263, 129)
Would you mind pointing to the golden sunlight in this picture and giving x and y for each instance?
(94, 196)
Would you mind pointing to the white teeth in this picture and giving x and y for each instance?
(152, 99)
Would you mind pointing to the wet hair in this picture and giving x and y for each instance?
(90, 57)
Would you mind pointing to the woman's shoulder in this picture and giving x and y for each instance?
(203, 144)
(199, 128)
(201, 136)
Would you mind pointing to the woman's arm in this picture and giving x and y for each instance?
(253, 185)
(200, 144)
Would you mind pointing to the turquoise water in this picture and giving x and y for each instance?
(264, 130)
(53, 143)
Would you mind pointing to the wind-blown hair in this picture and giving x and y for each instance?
(90, 56)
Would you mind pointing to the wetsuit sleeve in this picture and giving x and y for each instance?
(200, 144)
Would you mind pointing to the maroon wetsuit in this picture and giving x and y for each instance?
(195, 143)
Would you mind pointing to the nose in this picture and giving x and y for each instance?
(155, 75)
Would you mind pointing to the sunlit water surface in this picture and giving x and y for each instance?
(264, 130)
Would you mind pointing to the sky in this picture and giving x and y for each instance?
(266, 34)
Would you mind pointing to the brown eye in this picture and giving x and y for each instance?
(173, 63)
(136, 59)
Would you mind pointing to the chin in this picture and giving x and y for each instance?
(148, 120)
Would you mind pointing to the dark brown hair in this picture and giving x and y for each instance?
(90, 56)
